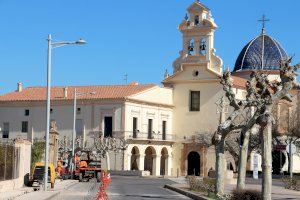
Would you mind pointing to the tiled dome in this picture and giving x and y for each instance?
(261, 53)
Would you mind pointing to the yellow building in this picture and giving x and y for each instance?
(197, 91)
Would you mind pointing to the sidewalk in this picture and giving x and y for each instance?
(12, 194)
(27, 193)
(278, 191)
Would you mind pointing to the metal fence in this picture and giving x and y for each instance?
(9, 160)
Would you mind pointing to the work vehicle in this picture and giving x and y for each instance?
(62, 170)
(88, 166)
(37, 177)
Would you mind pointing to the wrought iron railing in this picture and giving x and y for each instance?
(149, 136)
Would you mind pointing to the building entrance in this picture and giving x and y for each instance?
(194, 163)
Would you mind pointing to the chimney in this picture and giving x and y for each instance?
(134, 83)
(65, 92)
(20, 87)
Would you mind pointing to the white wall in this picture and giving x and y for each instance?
(145, 112)
(92, 115)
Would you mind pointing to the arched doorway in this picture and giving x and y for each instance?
(278, 160)
(149, 161)
(135, 155)
(194, 163)
(164, 162)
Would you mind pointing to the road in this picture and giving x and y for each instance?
(122, 188)
(134, 188)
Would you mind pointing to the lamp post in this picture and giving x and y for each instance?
(51, 45)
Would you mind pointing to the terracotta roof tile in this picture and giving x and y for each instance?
(90, 92)
(239, 82)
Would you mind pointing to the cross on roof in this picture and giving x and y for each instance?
(263, 20)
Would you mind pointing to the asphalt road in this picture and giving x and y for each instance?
(80, 191)
(123, 188)
(134, 188)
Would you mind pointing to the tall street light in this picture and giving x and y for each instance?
(76, 94)
(52, 45)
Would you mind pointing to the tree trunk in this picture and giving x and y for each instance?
(107, 160)
(220, 168)
(290, 159)
(267, 161)
(243, 161)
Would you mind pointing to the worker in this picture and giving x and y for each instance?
(83, 164)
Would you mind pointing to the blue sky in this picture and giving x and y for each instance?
(137, 37)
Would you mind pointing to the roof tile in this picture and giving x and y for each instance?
(90, 92)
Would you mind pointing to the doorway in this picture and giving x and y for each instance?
(194, 164)
(107, 126)
(278, 160)
(149, 161)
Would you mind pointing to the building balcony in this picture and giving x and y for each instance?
(149, 136)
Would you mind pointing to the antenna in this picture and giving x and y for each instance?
(126, 78)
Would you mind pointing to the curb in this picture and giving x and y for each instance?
(186, 193)
(58, 192)
(18, 195)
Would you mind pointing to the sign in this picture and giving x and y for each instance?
(255, 166)
(280, 147)
(294, 148)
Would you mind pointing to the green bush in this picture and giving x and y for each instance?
(37, 151)
(239, 194)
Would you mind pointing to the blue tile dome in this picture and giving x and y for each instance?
(261, 53)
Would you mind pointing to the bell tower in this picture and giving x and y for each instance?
(197, 30)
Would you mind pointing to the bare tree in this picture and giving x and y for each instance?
(261, 95)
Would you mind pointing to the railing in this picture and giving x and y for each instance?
(149, 136)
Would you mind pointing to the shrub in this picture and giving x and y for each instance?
(201, 185)
(239, 194)
(292, 184)
(37, 151)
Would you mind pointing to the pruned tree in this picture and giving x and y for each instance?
(261, 96)
(289, 134)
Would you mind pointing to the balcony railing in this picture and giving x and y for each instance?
(149, 136)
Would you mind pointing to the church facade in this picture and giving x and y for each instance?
(168, 129)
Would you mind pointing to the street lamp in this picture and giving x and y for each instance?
(74, 121)
(52, 45)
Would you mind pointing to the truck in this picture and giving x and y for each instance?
(88, 166)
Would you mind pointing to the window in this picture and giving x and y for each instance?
(5, 130)
(78, 111)
(26, 112)
(150, 128)
(134, 127)
(25, 127)
(164, 130)
(197, 20)
(108, 126)
(195, 101)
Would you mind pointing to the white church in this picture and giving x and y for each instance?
(161, 124)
